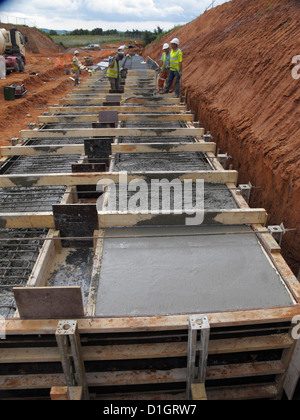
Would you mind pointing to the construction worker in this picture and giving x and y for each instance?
(113, 71)
(165, 58)
(77, 66)
(175, 68)
(164, 71)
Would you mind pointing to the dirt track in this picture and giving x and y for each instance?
(43, 88)
(238, 73)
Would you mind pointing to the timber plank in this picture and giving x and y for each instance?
(63, 149)
(163, 147)
(148, 350)
(138, 377)
(212, 217)
(112, 132)
(243, 393)
(120, 108)
(93, 178)
(122, 117)
(91, 325)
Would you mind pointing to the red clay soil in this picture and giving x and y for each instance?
(45, 87)
(238, 74)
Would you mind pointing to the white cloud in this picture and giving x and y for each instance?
(131, 10)
(106, 14)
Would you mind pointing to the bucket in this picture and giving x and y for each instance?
(9, 93)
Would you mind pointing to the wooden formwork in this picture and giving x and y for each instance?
(141, 357)
(249, 353)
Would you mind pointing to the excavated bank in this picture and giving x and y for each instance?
(237, 70)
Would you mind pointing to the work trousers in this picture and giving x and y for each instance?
(77, 74)
(115, 83)
(172, 75)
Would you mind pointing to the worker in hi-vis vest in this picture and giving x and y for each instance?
(165, 68)
(113, 71)
(175, 68)
(77, 66)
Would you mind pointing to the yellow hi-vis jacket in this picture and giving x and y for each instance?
(175, 59)
(76, 63)
(165, 60)
(114, 72)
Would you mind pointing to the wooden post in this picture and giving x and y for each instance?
(66, 393)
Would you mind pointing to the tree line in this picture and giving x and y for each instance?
(146, 36)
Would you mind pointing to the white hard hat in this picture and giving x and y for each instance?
(165, 46)
(175, 41)
(76, 52)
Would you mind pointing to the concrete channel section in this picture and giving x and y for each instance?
(127, 266)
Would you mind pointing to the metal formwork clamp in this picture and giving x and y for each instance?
(68, 341)
(198, 341)
(278, 232)
(245, 191)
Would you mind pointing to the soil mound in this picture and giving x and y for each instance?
(238, 73)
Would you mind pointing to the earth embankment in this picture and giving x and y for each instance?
(237, 70)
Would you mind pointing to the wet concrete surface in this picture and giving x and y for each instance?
(163, 197)
(170, 273)
(132, 162)
(73, 267)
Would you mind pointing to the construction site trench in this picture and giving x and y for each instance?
(132, 281)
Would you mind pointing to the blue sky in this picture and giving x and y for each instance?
(109, 14)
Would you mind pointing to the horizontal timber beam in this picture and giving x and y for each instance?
(86, 100)
(27, 220)
(92, 178)
(48, 119)
(115, 148)
(163, 147)
(112, 132)
(133, 88)
(92, 325)
(121, 219)
(142, 97)
(121, 108)
(208, 217)
(145, 351)
(141, 377)
(63, 149)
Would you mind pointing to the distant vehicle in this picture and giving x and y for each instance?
(12, 47)
(92, 47)
(122, 47)
(131, 44)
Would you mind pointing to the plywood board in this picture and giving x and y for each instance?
(49, 302)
